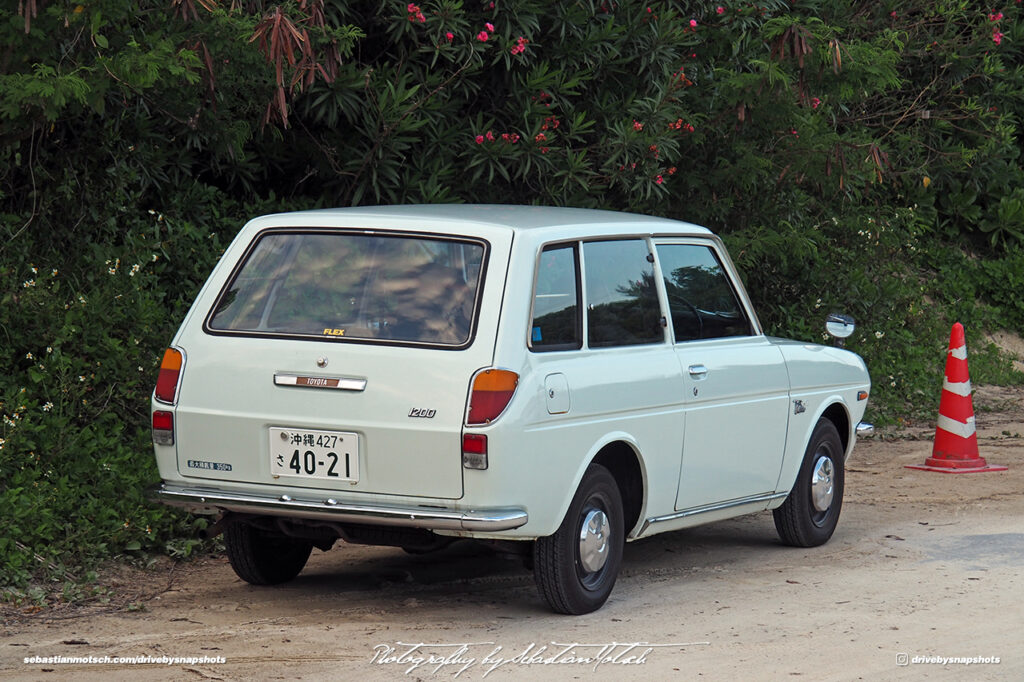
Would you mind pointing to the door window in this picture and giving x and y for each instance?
(622, 300)
(700, 298)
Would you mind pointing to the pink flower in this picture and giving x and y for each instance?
(415, 14)
(482, 36)
(450, 36)
(637, 125)
(997, 37)
(693, 23)
(479, 139)
(489, 27)
(815, 103)
(490, 136)
(659, 180)
(719, 10)
(995, 17)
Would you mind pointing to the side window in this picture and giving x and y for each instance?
(700, 298)
(556, 301)
(622, 300)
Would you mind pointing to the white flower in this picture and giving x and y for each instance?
(49, 349)
(81, 378)
(28, 283)
(81, 299)
(135, 269)
(29, 356)
(155, 257)
(53, 273)
(48, 406)
(879, 335)
(35, 270)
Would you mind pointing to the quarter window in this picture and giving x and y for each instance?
(556, 301)
(700, 298)
(622, 300)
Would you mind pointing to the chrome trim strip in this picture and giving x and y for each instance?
(320, 381)
(864, 430)
(484, 520)
(718, 506)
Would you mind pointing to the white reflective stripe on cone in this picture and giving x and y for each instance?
(957, 428)
(959, 353)
(961, 388)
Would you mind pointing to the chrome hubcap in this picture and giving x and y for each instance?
(822, 488)
(594, 541)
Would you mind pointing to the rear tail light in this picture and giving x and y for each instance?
(474, 450)
(492, 391)
(167, 380)
(163, 428)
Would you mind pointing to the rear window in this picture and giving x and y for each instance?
(344, 285)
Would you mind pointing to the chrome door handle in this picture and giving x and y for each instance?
(698, 371)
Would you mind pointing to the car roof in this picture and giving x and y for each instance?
(514, 217)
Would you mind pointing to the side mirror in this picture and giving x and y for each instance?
(839, 327)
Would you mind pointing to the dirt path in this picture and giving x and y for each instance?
(923, 564)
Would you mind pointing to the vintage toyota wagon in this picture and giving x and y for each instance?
(556, 381)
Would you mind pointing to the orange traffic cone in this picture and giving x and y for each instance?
(956, 441)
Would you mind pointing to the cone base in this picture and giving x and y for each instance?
(953, 470)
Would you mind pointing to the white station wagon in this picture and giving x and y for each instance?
(556, 380)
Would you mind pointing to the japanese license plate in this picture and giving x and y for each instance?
(328, 455)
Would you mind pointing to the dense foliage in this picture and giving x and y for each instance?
(857, 156)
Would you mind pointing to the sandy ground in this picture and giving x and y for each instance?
(922, 565)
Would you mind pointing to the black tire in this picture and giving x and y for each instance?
(571, 581)
(261, 557)
(809, 515)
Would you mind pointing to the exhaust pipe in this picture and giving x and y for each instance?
(216, 528)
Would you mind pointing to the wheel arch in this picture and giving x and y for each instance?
(623, 460)
(837, 413)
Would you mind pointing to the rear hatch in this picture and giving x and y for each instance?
(339, 360)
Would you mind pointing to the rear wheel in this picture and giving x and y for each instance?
(809, 515)
(261, 557)
(575, 569)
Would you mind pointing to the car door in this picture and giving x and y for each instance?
(735, 381)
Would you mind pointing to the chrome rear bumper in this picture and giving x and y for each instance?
(214, 501)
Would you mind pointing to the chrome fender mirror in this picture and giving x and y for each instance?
(839, 327)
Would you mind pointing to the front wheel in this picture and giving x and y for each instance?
(575, 569)
(809, 515)
(261, 557)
